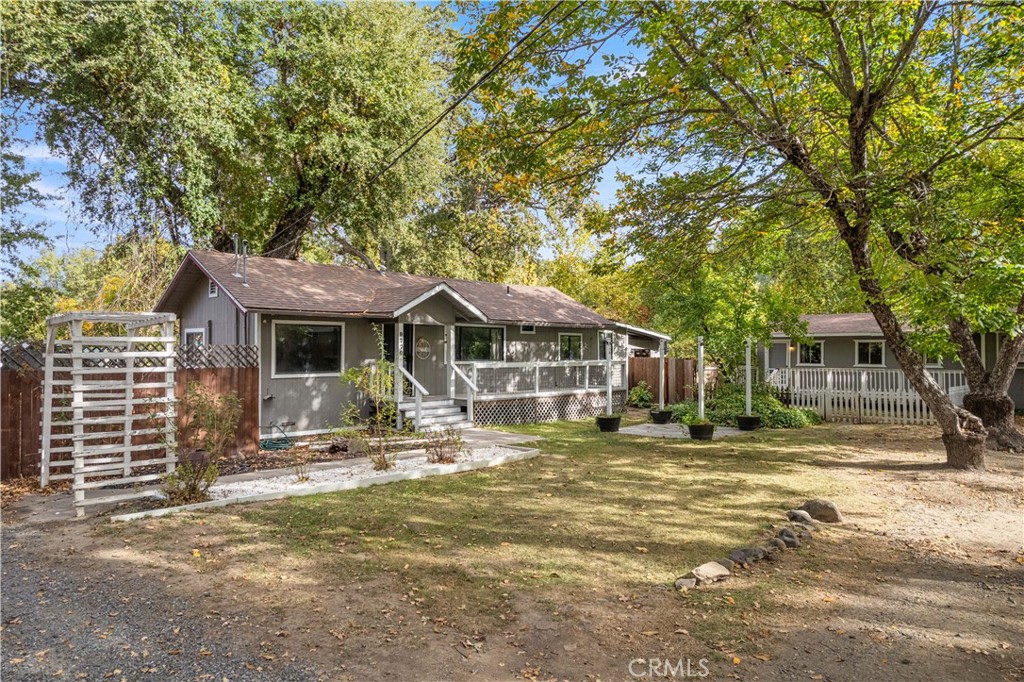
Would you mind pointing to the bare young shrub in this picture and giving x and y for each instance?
(444, 446)
(376, 383)
(210, 424)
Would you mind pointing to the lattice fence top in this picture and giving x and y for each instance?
(23, 355)
(29, 355)
(200, 357)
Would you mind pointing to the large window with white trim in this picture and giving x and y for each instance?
(812, 353)
(307, 349)
(480, 343)
(869, 354)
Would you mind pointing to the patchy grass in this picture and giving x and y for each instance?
(599, 513)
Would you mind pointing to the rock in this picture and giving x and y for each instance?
(728, 564)
(777, 543)
(756, 553)
(799, 515)
(710, 572)
(789, 537)
(738, 556)
(822, 510)
(685, 583)
(772, 553)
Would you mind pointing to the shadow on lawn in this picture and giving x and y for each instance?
(594, 509)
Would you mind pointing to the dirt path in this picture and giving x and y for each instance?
(923, 582)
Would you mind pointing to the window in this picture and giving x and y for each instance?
(307, 349)
(480, 343)
(931, 360)
(870, 354)
(811, 353)
(195, 338)
(527, 329)
(213, 289)
(570, 346)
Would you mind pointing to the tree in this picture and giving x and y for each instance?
(896, 127)
(198, 120)
(17, 191)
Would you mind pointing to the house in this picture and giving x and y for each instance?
(470, 351)
(846, 371)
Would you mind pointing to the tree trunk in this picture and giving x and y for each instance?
(287, 238)
(996, 412)
(964, 449)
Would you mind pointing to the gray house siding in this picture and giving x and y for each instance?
(839, 353)
(223, 323)
(542, 345)
(299, 403)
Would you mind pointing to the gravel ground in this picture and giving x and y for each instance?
(67, 617)
(360, 469)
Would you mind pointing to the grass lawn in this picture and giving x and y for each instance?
(589, 535)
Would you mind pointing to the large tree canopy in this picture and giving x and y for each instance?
(896, 127)
(267, 119)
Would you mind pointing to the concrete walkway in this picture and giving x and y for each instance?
(675, 431)
(59, 507)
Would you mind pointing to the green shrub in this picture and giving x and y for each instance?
(729, 402)
(640, 395)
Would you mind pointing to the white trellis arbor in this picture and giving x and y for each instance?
(108, 403)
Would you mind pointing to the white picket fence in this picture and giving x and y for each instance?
(882, 396)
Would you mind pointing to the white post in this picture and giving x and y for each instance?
(170, 406)
(700, 377)
(44, 468)
(451, 361)
(536, 378)
(608, 375)
(748, 376)
(661, 374)
(399, 349)
(78, 415)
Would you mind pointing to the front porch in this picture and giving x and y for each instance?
(516, 392)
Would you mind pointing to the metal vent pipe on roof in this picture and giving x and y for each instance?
(245, 257)
(234, 239)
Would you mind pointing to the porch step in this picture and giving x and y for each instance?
(437, 414)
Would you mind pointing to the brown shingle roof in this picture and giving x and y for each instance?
(293, 286)
(843, 323)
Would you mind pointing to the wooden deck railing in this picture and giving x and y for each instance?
(863, 395)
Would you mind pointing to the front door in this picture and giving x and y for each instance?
(429, 364)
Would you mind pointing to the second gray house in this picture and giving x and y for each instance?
(845, 371)
(468, 351)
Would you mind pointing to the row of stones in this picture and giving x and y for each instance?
(802, 524)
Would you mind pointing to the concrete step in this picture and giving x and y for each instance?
(434, 411)
(427, 405)
(455, 425)
(430, 420)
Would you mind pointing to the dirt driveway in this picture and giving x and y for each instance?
(924, 581)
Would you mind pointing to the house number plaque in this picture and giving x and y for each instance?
(422, 348)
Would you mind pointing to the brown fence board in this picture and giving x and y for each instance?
(680, 376)
(21, 400)
(21, 410)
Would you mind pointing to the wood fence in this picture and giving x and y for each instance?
(680, 377)
(21, 398)
(21, 394)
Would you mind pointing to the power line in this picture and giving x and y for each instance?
(410, 143)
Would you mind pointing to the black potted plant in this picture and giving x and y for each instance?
(748, 422)
(661, 416)
(699, 428)
(609, 422)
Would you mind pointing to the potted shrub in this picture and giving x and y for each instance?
(661, 416)
(700, 429)
(609, 422)
(748, 422)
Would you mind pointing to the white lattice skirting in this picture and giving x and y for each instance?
(546, 408)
